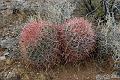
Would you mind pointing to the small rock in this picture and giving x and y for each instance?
(2, 57)
(99, 77)
(11, 75)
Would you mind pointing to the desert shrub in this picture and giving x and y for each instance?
(79, 39)
(108, 37)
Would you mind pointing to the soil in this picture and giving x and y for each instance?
(85, 70)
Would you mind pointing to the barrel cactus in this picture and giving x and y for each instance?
(48, 44)
(39, 44)
(79, 39)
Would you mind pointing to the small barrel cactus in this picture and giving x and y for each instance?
(39, 44)
(79, 39)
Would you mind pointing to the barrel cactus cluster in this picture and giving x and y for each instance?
(50, 44)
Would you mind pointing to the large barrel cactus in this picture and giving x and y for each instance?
(38, 43)
(79, 39)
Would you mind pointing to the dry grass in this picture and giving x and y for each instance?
(85, 70)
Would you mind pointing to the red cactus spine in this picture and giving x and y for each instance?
(79, 39)
(47, 44)
(29, 35)
(38, 42)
